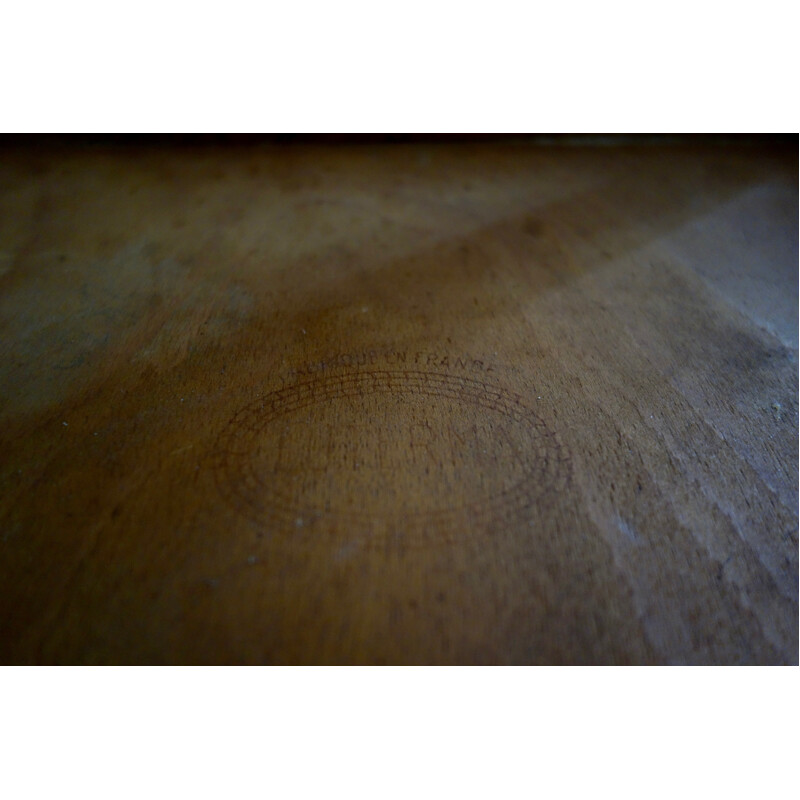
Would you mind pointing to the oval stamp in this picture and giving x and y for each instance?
(408, 455)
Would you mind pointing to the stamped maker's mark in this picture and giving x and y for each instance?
(412, 455)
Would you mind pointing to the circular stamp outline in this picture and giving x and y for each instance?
(261, 504)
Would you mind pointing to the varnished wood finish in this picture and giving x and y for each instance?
(400, 404)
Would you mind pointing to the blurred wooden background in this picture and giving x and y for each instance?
(417, 401)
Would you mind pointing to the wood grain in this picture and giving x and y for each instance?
(398, 404)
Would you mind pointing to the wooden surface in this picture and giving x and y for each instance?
(399, 404)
